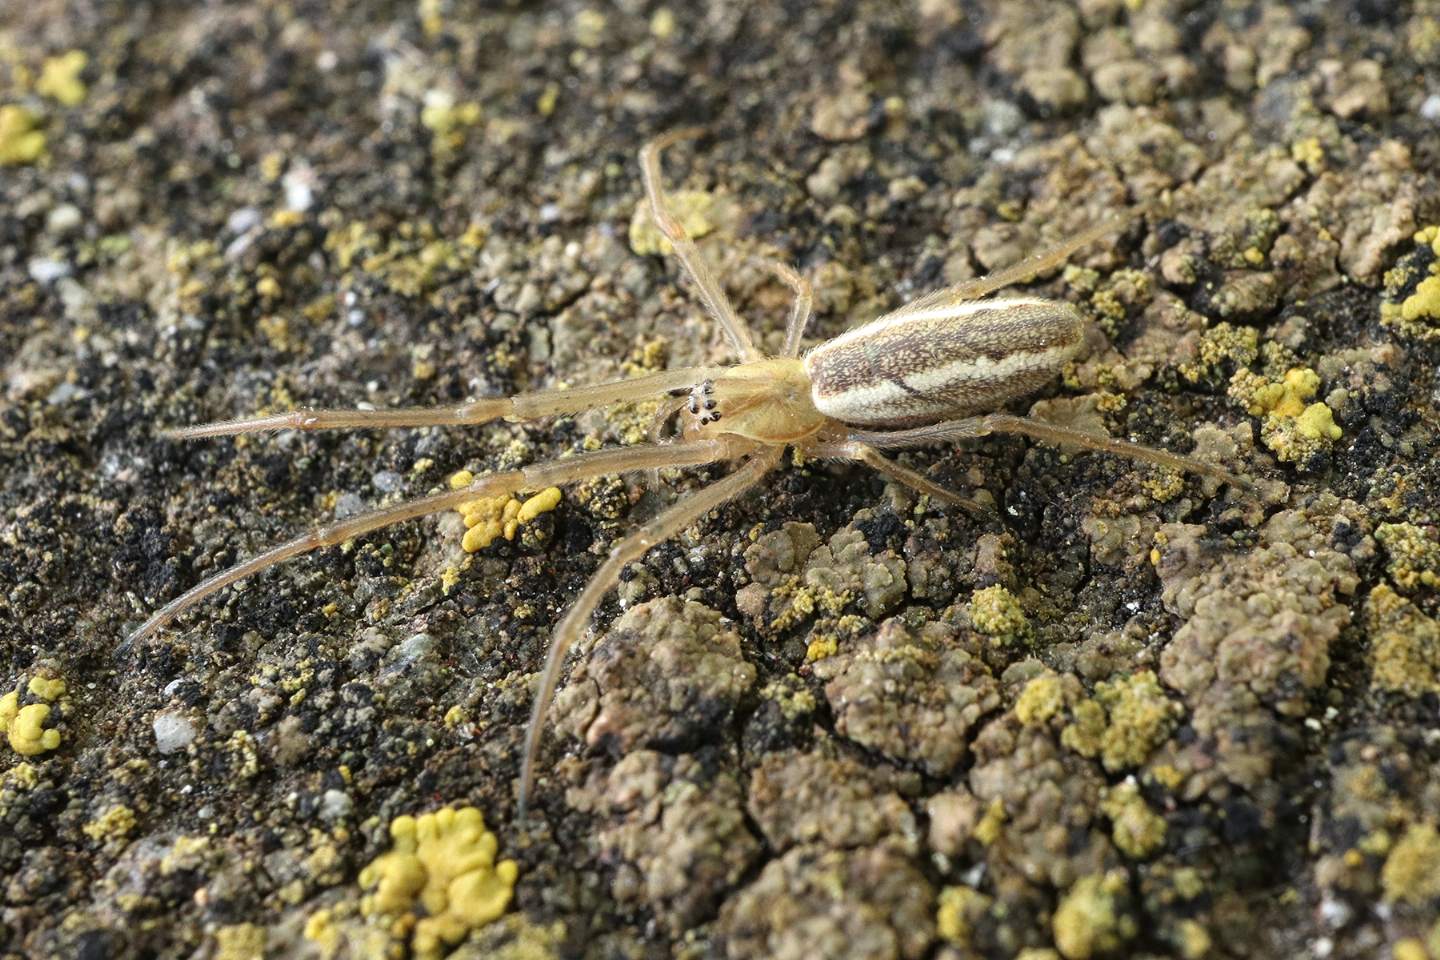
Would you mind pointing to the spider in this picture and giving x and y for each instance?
(936, 370)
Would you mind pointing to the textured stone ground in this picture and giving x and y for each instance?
(1129, 714)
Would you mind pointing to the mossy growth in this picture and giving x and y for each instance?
(1094, 916)
(1412, 870)
(1123, 723)
(995, 612)
(1404, 644)
(21, 139)
(1293, 428)
(440, 880)
(1137, 830)
(25, 726)
(1414, 556)
(487, 519)
(1411, 302)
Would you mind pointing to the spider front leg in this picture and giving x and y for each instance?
(538, 476)
(710, 290)
(665, 525)
(524, 406)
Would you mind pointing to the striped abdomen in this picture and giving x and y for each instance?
(935, 361)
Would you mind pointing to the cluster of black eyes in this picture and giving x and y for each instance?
(702, 402)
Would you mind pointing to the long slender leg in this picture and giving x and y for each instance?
(661, 528)
(535, 477)
(524, 406)
(801, 312)
(1021, 271)
(972, 427)
(854, 450)
(710, 290)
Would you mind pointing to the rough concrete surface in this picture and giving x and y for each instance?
(1126, 713)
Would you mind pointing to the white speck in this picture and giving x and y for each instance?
(243, 220)
(327, 61)
(335, 804)
(63, 394)
(63, 219)
(347, 505)
(173, 732)
(299, 184)
(549, 212)
(48, 271)
(387, 481)
(1430, 109)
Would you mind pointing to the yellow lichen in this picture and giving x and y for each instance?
(988, 830)
(959, 909)
(24, 727)
(1220, 345)
(240, 941)
(995, 612)
(21, 139)
(1293, 428)
(440, 879)
(1414, 556)
(1090, 920)
(46, 688)
(114, 824)
(60, 78)
(1126, 720)
(1042, 698)
(1137, 830)
(490, 518)
(1404, 644)
(1412, 870)
(821, 647)
(1416, 313)
(1309, 153)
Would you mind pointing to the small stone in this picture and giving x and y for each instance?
(173, 732)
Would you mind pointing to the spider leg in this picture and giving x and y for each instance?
(524, 406)
(868, 455)
(661, 528)
(801, 312)
(972, 427)
(710, 290)
(1021, 271)
(538, 476)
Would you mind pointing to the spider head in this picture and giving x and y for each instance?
(765, 400)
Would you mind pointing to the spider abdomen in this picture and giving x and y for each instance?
(931, 361)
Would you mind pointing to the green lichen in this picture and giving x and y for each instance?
(1222, 346)
(1042, 698)
(1411, 302)
(995, 612)
(1137, 830)
(1412, 870)
(1404, 644)
(1293, 428)
(1123, 723)
(1414, 556)
(1094, 918)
